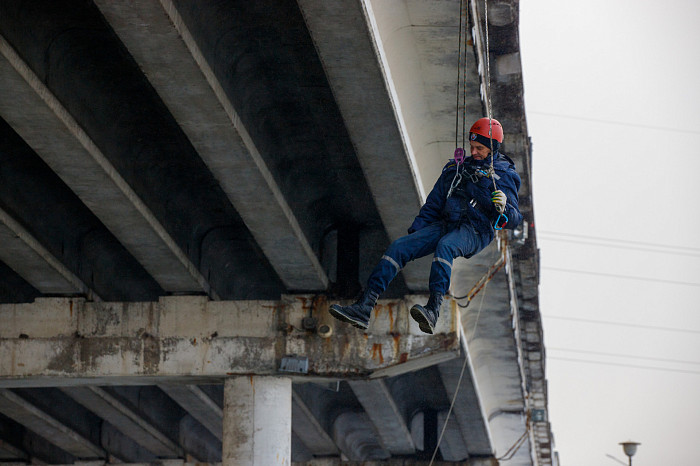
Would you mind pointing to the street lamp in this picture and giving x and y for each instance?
(630, 448)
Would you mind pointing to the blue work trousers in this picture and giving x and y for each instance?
(447, 241)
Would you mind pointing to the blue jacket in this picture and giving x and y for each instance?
(458, 208)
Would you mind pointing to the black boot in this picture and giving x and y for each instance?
(357, 313)
(427, 315)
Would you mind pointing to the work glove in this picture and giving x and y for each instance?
(499, 199)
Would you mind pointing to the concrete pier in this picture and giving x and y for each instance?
(257, 421)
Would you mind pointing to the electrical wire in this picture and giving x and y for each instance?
(617, 246)
(623, 324)
(630, 366)
(619, 241)
(613, 275)
(619, 355)
(611, 122)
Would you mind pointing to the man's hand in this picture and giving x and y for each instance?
(499, 199)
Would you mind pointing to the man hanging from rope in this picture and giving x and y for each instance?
(472, 198)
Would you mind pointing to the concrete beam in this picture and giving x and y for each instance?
(375, 398)
(33, 262)
(354, 434)
(197, 442)
(362, 87)
(309, 429)
(198, 404)
(467, 410)
(10, 452)
(452, 445)
(491, 328)
(60, 342)
(124, 419)
(121, 448)
(34, 419)
(49, 129)
(161, 43)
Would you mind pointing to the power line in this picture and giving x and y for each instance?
(623, 324)
(619, 241)
(631, 366)
(645, 249)
(620, 123)
(618, 355)
(629, 277)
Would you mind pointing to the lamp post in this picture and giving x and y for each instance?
(630, 449)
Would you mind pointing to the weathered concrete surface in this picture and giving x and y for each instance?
(381, 408)
(157, 37)
(199, 405)
(63, 144)
(71, 342)
(257, 421)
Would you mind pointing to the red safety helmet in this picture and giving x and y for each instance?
(481, 127)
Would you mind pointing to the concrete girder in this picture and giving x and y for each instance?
(33, 262)
(308, 429)
(452, 446)
(199, 405)
(122, 448)
(10, 452)
(375, 398)
(159, 40)
(197, 442)
(72, 342)
(356, 437)
(49, 129)
(124, 419)
(447, 437)
(491, 333)
(342, 33)
(467, 409)
(34, 419)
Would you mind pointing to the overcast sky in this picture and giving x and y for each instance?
(612, 92)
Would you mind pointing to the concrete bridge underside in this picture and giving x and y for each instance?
(184, 185)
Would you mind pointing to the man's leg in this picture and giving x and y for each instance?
(399, 253)
(462, 241)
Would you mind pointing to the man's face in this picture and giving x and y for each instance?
(478, 150)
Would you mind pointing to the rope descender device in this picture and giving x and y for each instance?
(459, 155)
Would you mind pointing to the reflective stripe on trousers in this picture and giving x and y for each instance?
(445, 243)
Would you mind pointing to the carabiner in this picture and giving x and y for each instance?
(498, 224)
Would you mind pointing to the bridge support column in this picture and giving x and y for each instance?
(257, 421)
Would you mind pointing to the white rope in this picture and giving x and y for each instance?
(489, 110)
(459, 381)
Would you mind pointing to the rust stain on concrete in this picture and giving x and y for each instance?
(377, 352)
(397, 341)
